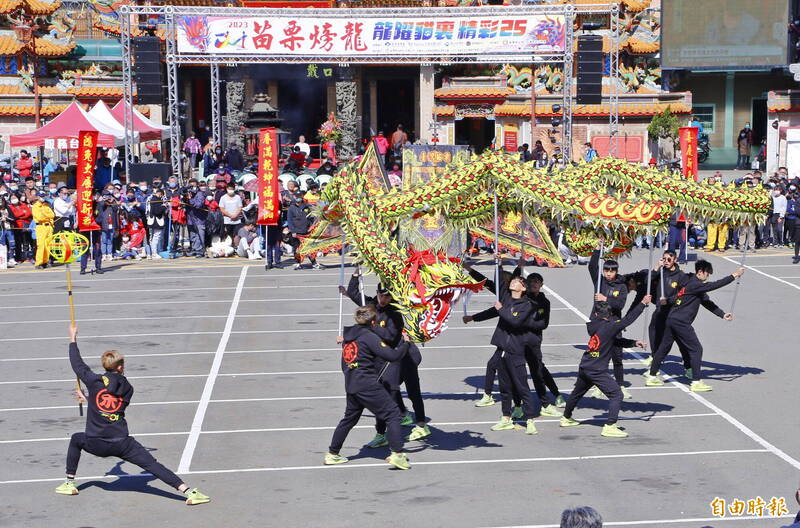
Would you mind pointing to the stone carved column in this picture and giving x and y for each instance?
(346, 99)
(234, 94)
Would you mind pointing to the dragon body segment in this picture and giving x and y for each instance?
(609, 195)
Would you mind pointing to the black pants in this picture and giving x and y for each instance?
(684, 335)
(514, 377)
(24, 243)
(542, 379)
(607, 384)
(128, 449)
(97, 254)
(409, 375)
(379, 403)
(63, 223)
(655, 332)
(616, 362)
(492, 366)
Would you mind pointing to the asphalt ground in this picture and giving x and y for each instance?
(238, 387)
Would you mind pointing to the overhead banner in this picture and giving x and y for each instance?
(688, 142)
(269, 209)
(372, 36)
(87, 156)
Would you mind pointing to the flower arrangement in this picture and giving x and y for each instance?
(331, 130)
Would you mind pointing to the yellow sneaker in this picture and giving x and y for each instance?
(399, 460)
(486, 401)
(418, 433)
(517, 413)
(653, 381)
(194, 497)
(568, 422)
(700, 386)
(378, 441)
(626, 395)
(503, 425)
(612, 431)
(550, 410)
(332, 460)
(531, 427)
(67, 488)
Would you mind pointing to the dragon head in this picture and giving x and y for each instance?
(433, 285)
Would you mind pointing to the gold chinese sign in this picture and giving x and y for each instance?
(269, 211)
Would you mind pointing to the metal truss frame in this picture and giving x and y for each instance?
(174, 57)
(613, 75)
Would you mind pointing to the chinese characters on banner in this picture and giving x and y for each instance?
(269, 210)
(688, 141)
(372, 35)
(87, 152)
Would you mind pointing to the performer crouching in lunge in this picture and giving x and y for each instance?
(363, 354)
(604, 329)
(693, 291)
(389, 328)
(109, 395)
(513, 335)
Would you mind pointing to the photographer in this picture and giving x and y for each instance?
(108, 218)
(156, 213)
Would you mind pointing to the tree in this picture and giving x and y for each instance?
(662, 125)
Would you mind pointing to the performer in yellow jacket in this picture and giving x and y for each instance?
(717, 233)
(43, 216)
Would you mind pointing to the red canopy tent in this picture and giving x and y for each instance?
(147, 129)
(62, 132)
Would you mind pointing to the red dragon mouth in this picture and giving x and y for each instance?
(439, 306)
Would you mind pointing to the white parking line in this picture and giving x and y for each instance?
(278, 351)
(773, 277)
(292, 331)
(371, 426)
(197, 423)
(428, 463)
(733, 421)
(479, 368)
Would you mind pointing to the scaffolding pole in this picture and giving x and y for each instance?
(170, 36)
(613, 77)
(127, 86)
(216, 122)
(566, 137)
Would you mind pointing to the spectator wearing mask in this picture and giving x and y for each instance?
(155, 215)
(192, 148)
(127, 250)
(231, 207)
(212, 159)
(24, 164)
(108, 219)
(6, 231)
(298, 223)
(44, 217)
(64, 209)
(221, 181)
(215, 227)
(234, 158)
(249, 243)
(297, 160)
(23, 214)
(777, 217)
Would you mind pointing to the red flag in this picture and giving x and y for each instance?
(688, 140)
(269, 210)
(87, 152)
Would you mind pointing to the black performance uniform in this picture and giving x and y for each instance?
(593, 369)
(533, 354)
(658, 323)
(684, 306)
(493, 364)
(616, 292)
(513, 335)
(106, 433)
(364, 355)
(390, 329)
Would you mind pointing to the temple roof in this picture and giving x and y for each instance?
(30, 7)
(473, 93)
(546, 110)
(9, 45)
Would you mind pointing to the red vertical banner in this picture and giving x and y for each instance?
(87, 153)
(688, 141)
(269, 210)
